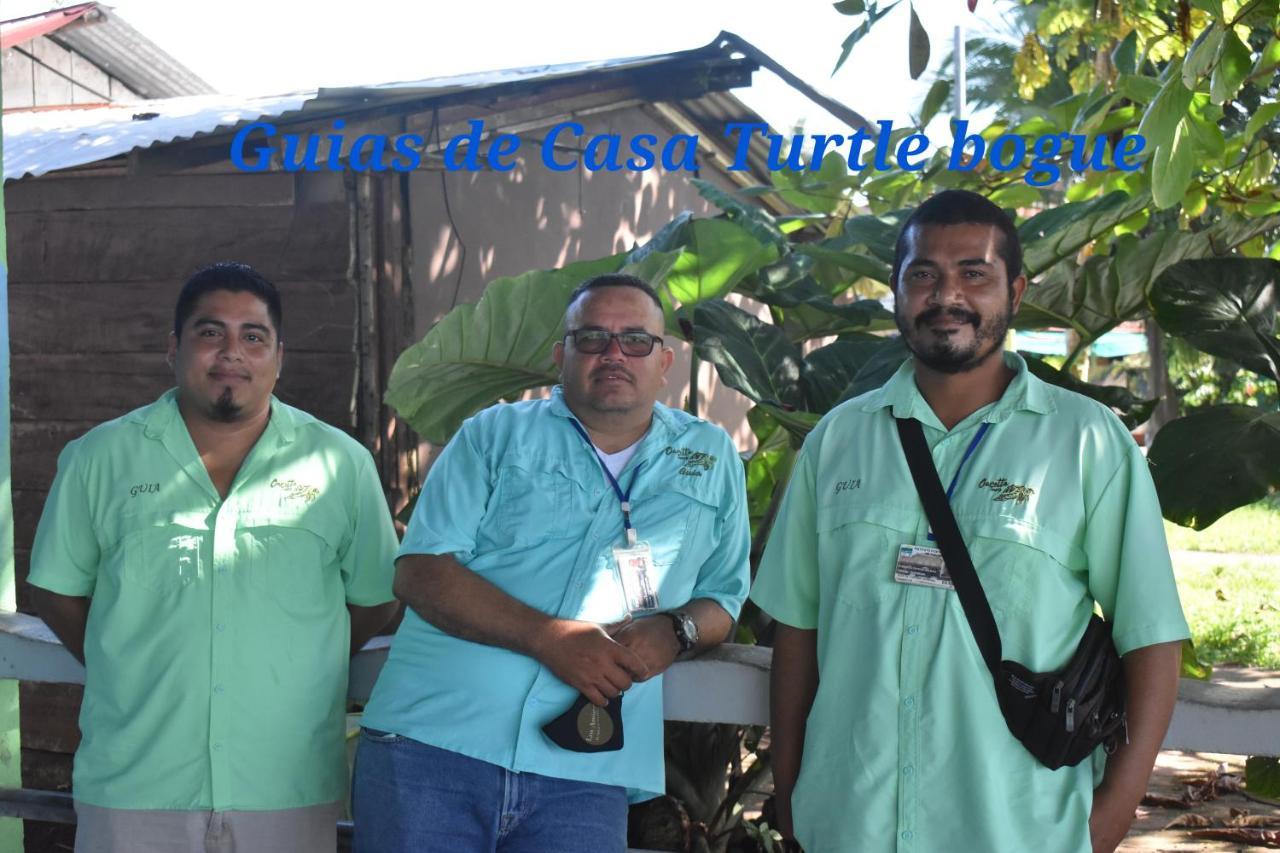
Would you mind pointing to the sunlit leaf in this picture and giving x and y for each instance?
(481, 353)
(1234, 61)
(917, 46)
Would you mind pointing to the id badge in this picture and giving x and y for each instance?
(635, 569)
(922, 566)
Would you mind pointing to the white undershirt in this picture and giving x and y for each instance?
(615, 462)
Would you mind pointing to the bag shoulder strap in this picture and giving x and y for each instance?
(943, 524)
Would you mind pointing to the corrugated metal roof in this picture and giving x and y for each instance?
(15, 31)
(39, 141)
(36, 142)
(109, 42)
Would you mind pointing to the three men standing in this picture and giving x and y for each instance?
(886, 730)
(535, 527)
(213, 558)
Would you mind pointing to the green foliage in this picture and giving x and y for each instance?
(1231, 608)
(1262, 777)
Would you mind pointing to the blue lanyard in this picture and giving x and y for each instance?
(973, 445)
(624, 498)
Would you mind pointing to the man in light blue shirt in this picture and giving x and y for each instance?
(517, 568)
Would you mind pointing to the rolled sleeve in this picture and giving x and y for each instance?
(66, 553)
(786, 584)
(1130, 573)
(726, 574)
(368, 561)
(452, 501)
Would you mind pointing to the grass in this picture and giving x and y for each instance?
(1232, 602)
(1253, 529)
(1233, 608)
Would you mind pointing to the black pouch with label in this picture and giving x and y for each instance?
(1060, 717)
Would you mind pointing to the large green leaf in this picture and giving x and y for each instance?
(917, 46)
(1215, 460)
(821, 190)
(751, 356)
(755, 219)
(934, 100)
(769, 468)
(877, 233)
(831, 372)
(805, 311)
(481, 353)
(1062, 231)
(1262, 777)
(1172, 165)
(1234, 61)
(1225, 307)
(717, 255)
(1108, 289)
(1131, 408)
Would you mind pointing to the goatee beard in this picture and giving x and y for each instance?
(224, 408)
(943, 357)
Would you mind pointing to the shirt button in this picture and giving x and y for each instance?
(908, 770)
(913, 629)
(217, 746)
(909, 701)
(221, 627)
(907, 835)
(218, 688)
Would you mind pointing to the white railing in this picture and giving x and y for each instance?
(729, 684)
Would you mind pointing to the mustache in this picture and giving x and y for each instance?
(937, 312)
(605, 371)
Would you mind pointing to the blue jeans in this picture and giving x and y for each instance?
(409, 797)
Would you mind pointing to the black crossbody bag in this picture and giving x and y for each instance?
(1060, 717)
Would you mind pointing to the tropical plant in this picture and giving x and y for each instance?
(788, 308)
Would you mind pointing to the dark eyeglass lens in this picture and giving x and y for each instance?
(636, 344)
(591, 342)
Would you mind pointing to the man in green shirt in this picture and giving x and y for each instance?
(213, 559)
(886, 732)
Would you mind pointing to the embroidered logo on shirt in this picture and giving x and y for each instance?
(144, 489)
(848, 485)
(294, 489)
(1006, 491)
(692, 459)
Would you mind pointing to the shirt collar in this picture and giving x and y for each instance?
(661, 414)
(1025, 393)
(163, 415)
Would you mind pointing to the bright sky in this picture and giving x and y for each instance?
(259, 47)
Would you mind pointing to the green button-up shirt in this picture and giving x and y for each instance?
(518, 496)
(905, 747)
(218, 636)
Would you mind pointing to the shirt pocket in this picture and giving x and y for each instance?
(857, 549)
(163, 551)
(532, 506)
(1018, 564)
(292, 557)
(679, 525)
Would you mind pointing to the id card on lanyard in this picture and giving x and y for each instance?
(633, 562)
(922, 565)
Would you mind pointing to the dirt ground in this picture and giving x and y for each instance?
(1173, 771)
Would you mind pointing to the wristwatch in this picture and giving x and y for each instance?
(686, 629)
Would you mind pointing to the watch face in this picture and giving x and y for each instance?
(688, 631)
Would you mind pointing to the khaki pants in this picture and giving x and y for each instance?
(311, 829)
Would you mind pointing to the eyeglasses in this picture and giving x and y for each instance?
(596, 341)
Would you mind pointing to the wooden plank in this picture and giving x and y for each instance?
(57, 191)
(36, 447)
(46, 771)
(110, 317)
(27, 505)
(99, 387)
(50, 714)
(150, 244)
(22, 568)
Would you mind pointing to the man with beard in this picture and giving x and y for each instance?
(532, 532)
(213, 559)
(886, 730)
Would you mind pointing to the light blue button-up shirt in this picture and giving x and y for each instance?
(519, 497)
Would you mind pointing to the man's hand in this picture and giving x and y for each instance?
(584, 656)
(653, 639)
(1109, 821)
